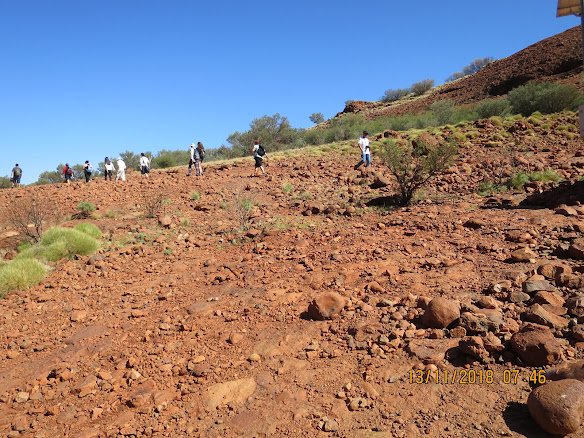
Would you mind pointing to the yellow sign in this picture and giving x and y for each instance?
(568, 7)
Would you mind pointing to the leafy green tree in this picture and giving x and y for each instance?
(131, 159)
(273, 132)
(51, 176)
(316, 118)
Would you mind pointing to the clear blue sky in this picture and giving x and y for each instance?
(82, 79)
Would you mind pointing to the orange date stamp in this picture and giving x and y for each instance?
(476, 377)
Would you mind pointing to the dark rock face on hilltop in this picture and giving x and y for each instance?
(555, 59)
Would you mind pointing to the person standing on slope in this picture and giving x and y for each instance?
(15, 175)
(87, 169)
(259, 153)
(67, 173)
(193, 160)
(144, 165)
(201, 151)
(109, 169)
(121, 170)
(365, 151)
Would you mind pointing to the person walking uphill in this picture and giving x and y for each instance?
(365, 151)
(193, 160)
(87, 169)
(259, 153)
(67, 173)
(15, 175)
(144, 165)
(109, 169)
(121, 170)
(201, 151)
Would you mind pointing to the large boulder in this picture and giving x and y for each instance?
(558, 406)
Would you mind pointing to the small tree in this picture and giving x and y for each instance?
(421, 87)
(316, 118)
(414, 164)
(392, 95)
(29, 216)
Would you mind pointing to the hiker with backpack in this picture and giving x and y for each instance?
(193, 160)
(365, 151)
(259, 153)
(67, 173)
(201, 151)
(109, 168)
(144, 165)
(15, 175)
(121, 170)
(87, 169)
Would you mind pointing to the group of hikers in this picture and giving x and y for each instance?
(197, 156)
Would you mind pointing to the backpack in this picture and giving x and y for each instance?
(89, 169)
(201, 153)
(261, 150)
(69, 171)
(17, 172)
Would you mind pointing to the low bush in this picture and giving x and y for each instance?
(86, 207)
(393, 95)
(544, 97)
(491, 108)
(414, 164)
(423, 86)
(65, 243)
(20, 274)
(89, 229)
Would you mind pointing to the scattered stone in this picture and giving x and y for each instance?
(530, 287)
(440, 313)
(536, 345)
(326, 306)
(233, 393)
(235, 338)
(558, 406)
(539, 315)
(567, 370)
(523, 255)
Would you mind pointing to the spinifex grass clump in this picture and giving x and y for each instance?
(89, 229)
(59, 243)
(20, 274)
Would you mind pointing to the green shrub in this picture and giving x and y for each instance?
(518, 180)
(421, 87)
(544, 97)
(287, 187)
(195, 196)
(20, 274)
(444, 111)
(89, 229)
(86, 207)
(415, 164)
(68, 242)
(548, 175)
(393, 95)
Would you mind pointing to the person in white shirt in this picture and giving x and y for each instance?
(121, 170)
(365, 151)
(195, 158)
(258, 155)
(144, 165)
(108, 169)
